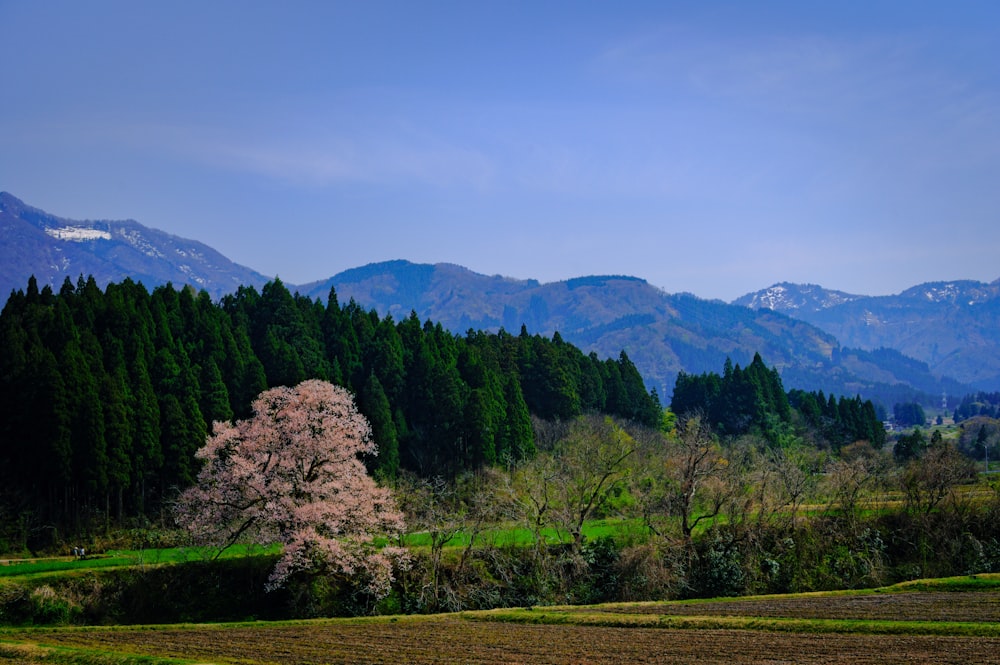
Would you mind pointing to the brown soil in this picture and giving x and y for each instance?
(451, 640)
(970, 606)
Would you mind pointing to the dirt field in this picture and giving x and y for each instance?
(929, 606)
(459, 641)
(452, 639)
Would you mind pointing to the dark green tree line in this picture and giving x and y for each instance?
(108, 394)
(740, 401)
(979, 404)
(841, 421)
(753, 401)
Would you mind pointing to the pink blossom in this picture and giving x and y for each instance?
(293, 473)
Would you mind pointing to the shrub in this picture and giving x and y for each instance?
(717, 569)
(649, 571)
(49, 607)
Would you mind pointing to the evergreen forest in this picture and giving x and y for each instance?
(753, 401)
(108, 394)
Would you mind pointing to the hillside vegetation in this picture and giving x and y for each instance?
(528, 472)
(108, 394)
(663, 333)
(950, 327)
(788, 500)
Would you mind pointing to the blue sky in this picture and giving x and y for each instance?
(708, 147)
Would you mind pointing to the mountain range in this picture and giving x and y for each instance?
(662, 333)
(954, 326)
(52, 248)
(913, 346)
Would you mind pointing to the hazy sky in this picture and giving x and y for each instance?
(709, 147)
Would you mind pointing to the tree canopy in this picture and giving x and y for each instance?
(109, 394)
(753, 401)
(293, 473)
(738, 402)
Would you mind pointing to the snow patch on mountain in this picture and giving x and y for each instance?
(786, 297)
(946, 292)
(136, 239)
(870, 319)
(78, 233)
(966, 292)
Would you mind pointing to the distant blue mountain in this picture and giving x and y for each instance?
(953, 327)
(819, 343)
(52, 248)
(662, 333)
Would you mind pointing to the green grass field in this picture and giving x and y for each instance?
(592, 530)
(33, 568)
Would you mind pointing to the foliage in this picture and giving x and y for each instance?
(753, 401)
(909, 414)
(777, 495)
(828, 550)
(932, 477)
(695, 470)
(447, 514)
(738, 402)
(979, 438)
(840, 421)
(979, 404)
(293, 474)
(910, 446)
(580, 475)
(109, 394)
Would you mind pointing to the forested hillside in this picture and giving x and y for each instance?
(754, 401)
(951, 326)
(50, 248)
(108, 394)
(664, 334)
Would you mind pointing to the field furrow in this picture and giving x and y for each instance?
(918, 606)
(450, 640)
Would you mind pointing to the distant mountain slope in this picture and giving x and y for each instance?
(52, 248)
(954, 327)
(662, 333)
(791, 298)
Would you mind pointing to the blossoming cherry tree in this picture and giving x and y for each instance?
(293, 473)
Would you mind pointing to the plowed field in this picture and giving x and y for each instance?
(459, 641)
(453, 639)
(929, 606)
